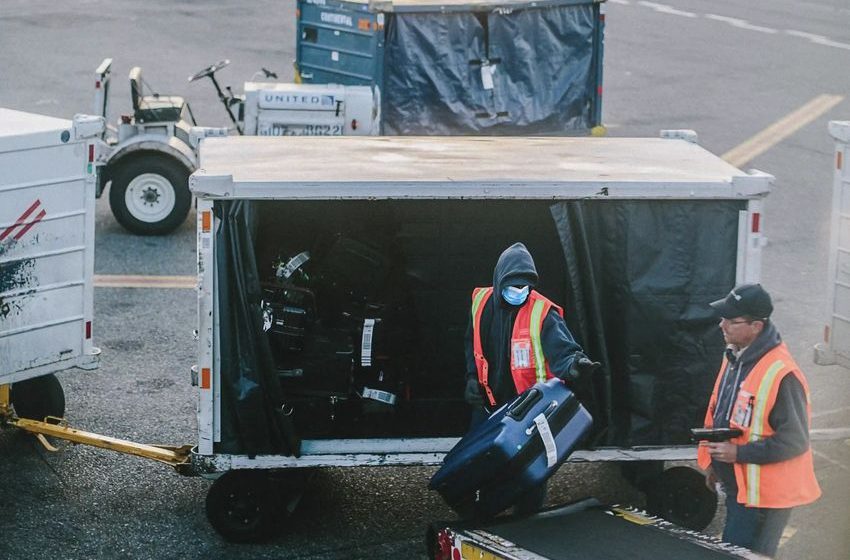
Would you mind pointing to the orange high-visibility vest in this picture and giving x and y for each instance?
(528, 364)
(773, 485)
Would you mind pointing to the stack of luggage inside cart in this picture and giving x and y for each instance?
(337, 316)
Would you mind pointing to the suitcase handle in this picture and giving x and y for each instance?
(550, 410)
(520, 408)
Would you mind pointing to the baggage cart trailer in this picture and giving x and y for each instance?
(584, 529)
(675, 223)
(835, 348)
(457, 67)
(47, 193)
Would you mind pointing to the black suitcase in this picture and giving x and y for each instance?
(512, 451)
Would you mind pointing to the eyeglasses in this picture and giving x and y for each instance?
(748, 321)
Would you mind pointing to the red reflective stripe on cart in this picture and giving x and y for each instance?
(206, 220)
(21, 220)
(27, 227)
(756, 222)
(205, 378)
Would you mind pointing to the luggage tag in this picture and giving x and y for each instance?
(548, 439)
(366, 343)
(521, 353)
(381, 396)
(487, 71)
(742, 413)
(292, 265)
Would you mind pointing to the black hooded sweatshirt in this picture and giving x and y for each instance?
(788, 418)
(515, 267)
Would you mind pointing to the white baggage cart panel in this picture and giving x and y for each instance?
(46, 243)
(836, 345)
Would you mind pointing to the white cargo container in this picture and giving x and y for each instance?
(47, 194)
(836, 345)
(435, 185)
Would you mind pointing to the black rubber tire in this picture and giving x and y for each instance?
(169, 169)
(681, 497)
(242, 506)
(38, 398)
(641, 474)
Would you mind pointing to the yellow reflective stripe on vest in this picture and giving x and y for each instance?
(757, 429)
(479, 296)
(534, 331)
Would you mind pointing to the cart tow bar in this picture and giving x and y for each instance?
(177, 457)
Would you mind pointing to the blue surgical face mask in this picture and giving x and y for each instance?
(514, 295)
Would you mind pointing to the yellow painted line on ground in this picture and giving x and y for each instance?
(130, 281)
(781, 129)
(787, 535)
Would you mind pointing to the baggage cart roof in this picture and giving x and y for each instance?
(460, 167)
(20, 130)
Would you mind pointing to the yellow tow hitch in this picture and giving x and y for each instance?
(177, 457)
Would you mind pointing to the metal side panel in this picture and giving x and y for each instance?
(404, 452)
(206, 338)
(46, 259)
(836, 345)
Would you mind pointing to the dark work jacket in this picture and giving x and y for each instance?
(515, 267)
(788, 418)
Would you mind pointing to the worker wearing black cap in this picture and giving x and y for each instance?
(761, 391)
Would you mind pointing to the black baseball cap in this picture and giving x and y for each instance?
(746, 300)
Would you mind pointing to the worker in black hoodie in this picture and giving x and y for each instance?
(511, 326)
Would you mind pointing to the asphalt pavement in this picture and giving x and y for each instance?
(725, 69)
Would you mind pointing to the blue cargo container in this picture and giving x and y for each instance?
(515, 67)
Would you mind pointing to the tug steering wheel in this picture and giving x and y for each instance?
(210, 70)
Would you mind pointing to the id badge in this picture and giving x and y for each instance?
(742, 413)
(521, 353)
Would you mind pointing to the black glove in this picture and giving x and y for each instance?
(472, 393)
(581, 368)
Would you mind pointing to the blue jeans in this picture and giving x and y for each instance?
(758, 529)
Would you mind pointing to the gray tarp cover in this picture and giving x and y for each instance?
(639, 276)
(543, 82)
(251, 419)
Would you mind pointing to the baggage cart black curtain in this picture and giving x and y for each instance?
(641, 274)
(540, 62)
(254, 417)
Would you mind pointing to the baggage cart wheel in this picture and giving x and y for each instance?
(38, 397)
(242, 507)
(150, 194)
(680, 496)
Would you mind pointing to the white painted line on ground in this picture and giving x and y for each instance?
(665, 9)
(130, 281)
(829, 434)
(821, 413)
(817, 39)
(741, 24)
(787, 535)
(830, 460)
(781, 129)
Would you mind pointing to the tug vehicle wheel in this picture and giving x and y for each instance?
(38, 397)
